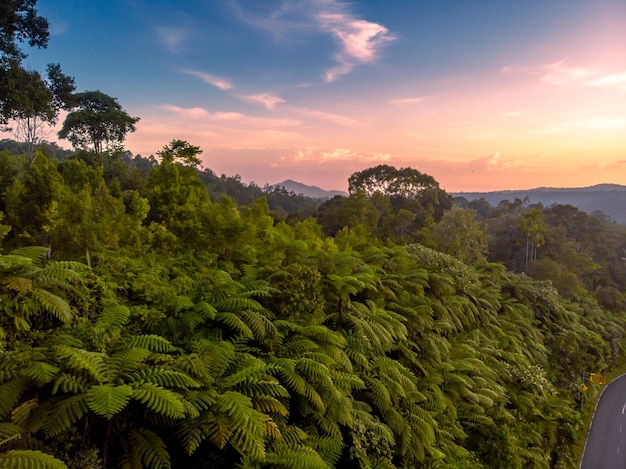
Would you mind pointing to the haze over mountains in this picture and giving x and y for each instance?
(309, 191)
(609, 199)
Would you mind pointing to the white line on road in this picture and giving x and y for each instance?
(623, 409)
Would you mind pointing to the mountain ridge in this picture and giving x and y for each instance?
(608, 198)
(309, 191)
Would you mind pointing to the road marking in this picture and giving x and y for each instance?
(620, 428)
(618, 450)
(623, 409)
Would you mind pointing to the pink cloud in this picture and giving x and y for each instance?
(213, 80)
(360, 40)
(404, 101)
(267, 100)
(326, 116)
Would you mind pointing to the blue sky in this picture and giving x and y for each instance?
(480, 94)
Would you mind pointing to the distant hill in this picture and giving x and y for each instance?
(610, 199)
(309, 191)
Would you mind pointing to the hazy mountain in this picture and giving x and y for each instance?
(309, 191)
(610, 199)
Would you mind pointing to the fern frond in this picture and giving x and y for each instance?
(235, 323)
(18, 284)
(53, 304)
(112, 318)
(150, 449)
(165, 378)
(219, 429)
(9, 432)
(180, 303)
(83, 360)
(191, 319)
(68, 383)
(29, 459)
(238, 303)
(11, 263)
(106, 400)
(206, 310)
(40, 372)
(37, 254)
(152, 342)
(10, 392)
(301, 458)
(55, 274)
(63, 413)
(160, 400)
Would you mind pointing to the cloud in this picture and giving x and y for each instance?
(359, 41)
(613, 79)
(172, 37)
(213, 80)
(403, 101)
(267, 100)
(561, 74)
(201, 116)
(514, 114)
(326, 116)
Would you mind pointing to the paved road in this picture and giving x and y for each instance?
(606, 440)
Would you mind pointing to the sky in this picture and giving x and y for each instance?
(481, 94)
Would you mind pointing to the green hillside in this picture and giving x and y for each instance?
(155, 315)
(164, 327)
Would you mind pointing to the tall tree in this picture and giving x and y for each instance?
(181, 151)
(19, 23)
(37, 102)
(96, 121)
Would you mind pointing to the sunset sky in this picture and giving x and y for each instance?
(481, 94)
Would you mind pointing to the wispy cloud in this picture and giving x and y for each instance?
(405, 101)
(359, 41)
(172, 37)
(613, 79)
(201, 115)
(563, 74)
(267, 100)
(326, 116)
(218, 82)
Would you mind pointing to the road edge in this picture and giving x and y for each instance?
(582, 455)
